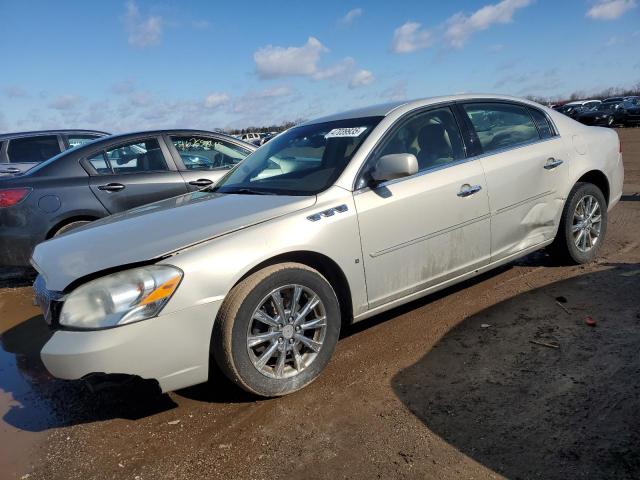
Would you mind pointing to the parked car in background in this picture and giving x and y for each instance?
(631, 106)
(250, 137)
(104, 177)
(573, 109)
(581, 106)
(331, 222)
(609, 114)
(21, 151)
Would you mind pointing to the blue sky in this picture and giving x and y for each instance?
(123, 65)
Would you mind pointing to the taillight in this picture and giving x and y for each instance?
(13, 196)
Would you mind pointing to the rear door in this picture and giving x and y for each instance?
(524, 161)
(133, 173)
(202, 160)
(25, 153)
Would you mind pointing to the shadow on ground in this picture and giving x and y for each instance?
(42, 402)
(527, 410)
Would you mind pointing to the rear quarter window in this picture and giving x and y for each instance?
(542, 122)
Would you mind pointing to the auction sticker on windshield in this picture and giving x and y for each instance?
(345, 132)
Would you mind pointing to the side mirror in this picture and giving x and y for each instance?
(394, 165)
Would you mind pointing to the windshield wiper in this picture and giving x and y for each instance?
(245, 191)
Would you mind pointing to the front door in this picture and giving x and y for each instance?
(422, 230)
(525, 165)
(133, 174)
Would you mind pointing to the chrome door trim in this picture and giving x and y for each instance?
(522, 202)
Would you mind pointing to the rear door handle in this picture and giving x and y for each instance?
(552, 163)
(11, 170)
(467, 190)
(202, 182)
(111, 187)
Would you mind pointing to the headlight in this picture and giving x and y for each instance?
(121, 298)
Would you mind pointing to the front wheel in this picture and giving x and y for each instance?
(277, 329)
(583, 225)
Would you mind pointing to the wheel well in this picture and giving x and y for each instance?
(323, 264)
(67, 221)
(599, 179)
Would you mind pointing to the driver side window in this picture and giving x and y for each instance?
(433, 137)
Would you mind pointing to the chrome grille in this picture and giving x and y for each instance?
(45, 298)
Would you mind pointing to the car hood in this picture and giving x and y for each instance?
(153, 231)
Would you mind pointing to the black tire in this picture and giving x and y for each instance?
(563, 249)
(231, 329)
(70, 226)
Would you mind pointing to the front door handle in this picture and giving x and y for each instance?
(552, 163)
(11, 170)
(202, 182)
(111, 187)
(467, 190)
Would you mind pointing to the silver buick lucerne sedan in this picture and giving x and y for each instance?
(329, 223)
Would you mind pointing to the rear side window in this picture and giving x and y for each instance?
(542, 122)
(136, 157)
(77, 140)
(501, 125)
(33, 149)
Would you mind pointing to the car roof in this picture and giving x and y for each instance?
(582, 102)
(384, 109)
(36, 133)
(177, 131)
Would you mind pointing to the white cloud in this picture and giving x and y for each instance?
(142, 32)
(216, 99)
(273, 62)
(397, 91)
(125, 87)
(351, 15)
(66, 102)
(410, 37)
(252, 102)
(200, 24)
(613, 41)
(361, 78)
(610, 9)
(461, 26)
(337, 70)
(15, 91)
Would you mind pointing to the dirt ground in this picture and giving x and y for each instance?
(450, 386)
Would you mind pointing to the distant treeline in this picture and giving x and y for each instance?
(265, 129)
(583, 95)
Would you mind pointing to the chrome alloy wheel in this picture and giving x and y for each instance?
(587, 223)
(286, 331)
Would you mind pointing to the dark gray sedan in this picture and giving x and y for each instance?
(24, 150)
(106, 176)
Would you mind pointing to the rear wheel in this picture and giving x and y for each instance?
(582, 227)
(70, 226)
(277, 330)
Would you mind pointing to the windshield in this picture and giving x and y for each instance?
(301, 161)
